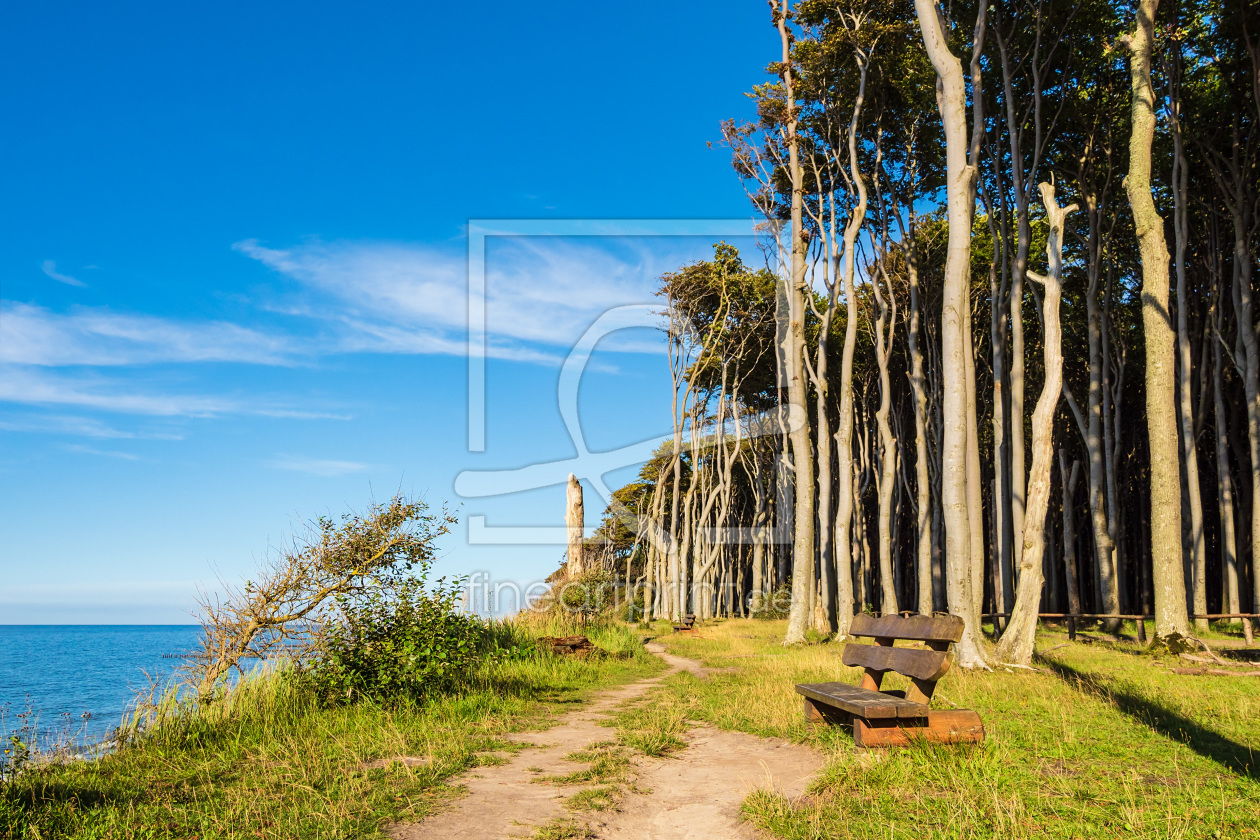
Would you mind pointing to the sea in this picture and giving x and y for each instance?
(72, 684)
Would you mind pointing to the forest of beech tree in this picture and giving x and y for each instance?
(997, 354)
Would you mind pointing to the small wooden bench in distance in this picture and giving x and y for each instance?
(887, 718)
(688, 623)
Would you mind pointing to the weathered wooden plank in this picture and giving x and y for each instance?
(945, 628)
(860, 701)
(929, 665)
(948, 726)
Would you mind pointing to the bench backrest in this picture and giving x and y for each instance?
(923, 666)
(923, 628)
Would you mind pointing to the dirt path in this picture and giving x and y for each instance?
(692, 795)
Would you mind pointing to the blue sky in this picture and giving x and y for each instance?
(233, 274)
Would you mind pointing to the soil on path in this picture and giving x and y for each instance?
(693, 794)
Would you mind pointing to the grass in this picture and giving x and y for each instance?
(271, 763)
(1100, 741)
(652, 726)
(606, 761)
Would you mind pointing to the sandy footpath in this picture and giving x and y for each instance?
(694, 793)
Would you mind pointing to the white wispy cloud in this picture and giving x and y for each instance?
(41, 386)
(318, 466)
(34, 386)
(50, 268)
(104, 453)
(33, 335)
(53, 424)
(541, 292)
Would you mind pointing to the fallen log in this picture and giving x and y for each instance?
(579, 646)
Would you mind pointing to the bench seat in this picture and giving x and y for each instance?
(862, 702)
(894, 718)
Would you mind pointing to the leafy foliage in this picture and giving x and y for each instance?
(407, 643)
(332, 562)
(404, 643)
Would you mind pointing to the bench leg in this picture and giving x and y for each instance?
(817, 714)
(949, 726)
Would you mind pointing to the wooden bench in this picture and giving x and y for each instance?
(895, 718)
(688, 623)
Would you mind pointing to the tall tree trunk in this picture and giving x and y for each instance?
(1225, 479)
(955, 305)
(1111, 423)
(802, 454)
(826, 540)
(886, 319)
(1250, 370)
(1016, 644)
(923, 480)
(844, 434)
(826, 613)
(1104, 547)
(1113, 433)
(1167, 572)
(1237, 188)
(1003, 584)
(975, 483)
(1197, 550)
(1070, 576)
(1021, 186)
(760, 530)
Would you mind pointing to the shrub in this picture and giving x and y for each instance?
(331, 562)
(400, 642)
(773, 605)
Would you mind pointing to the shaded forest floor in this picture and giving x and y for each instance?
(1101, 740)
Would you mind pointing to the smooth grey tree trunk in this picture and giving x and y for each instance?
(1003, 584)
(923, 479)
(1225, 497)
(1196, 548)
(802, 454)
(1016, 644)
(886, 320)
(1238, 188)
(1104, 545)
(844, 434)
(959, 180)
(1070, 576)
(1168, 578)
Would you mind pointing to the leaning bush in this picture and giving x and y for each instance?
(330, 564)
(404, 642)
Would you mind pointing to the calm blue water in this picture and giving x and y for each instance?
(67, 670)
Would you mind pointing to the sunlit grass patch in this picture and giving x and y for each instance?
(654, 729)
(595, 799)
(564, 828)
(271, 762)
(1100, 741)
(606, 762)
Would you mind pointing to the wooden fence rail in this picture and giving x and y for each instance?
(1140, 619)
